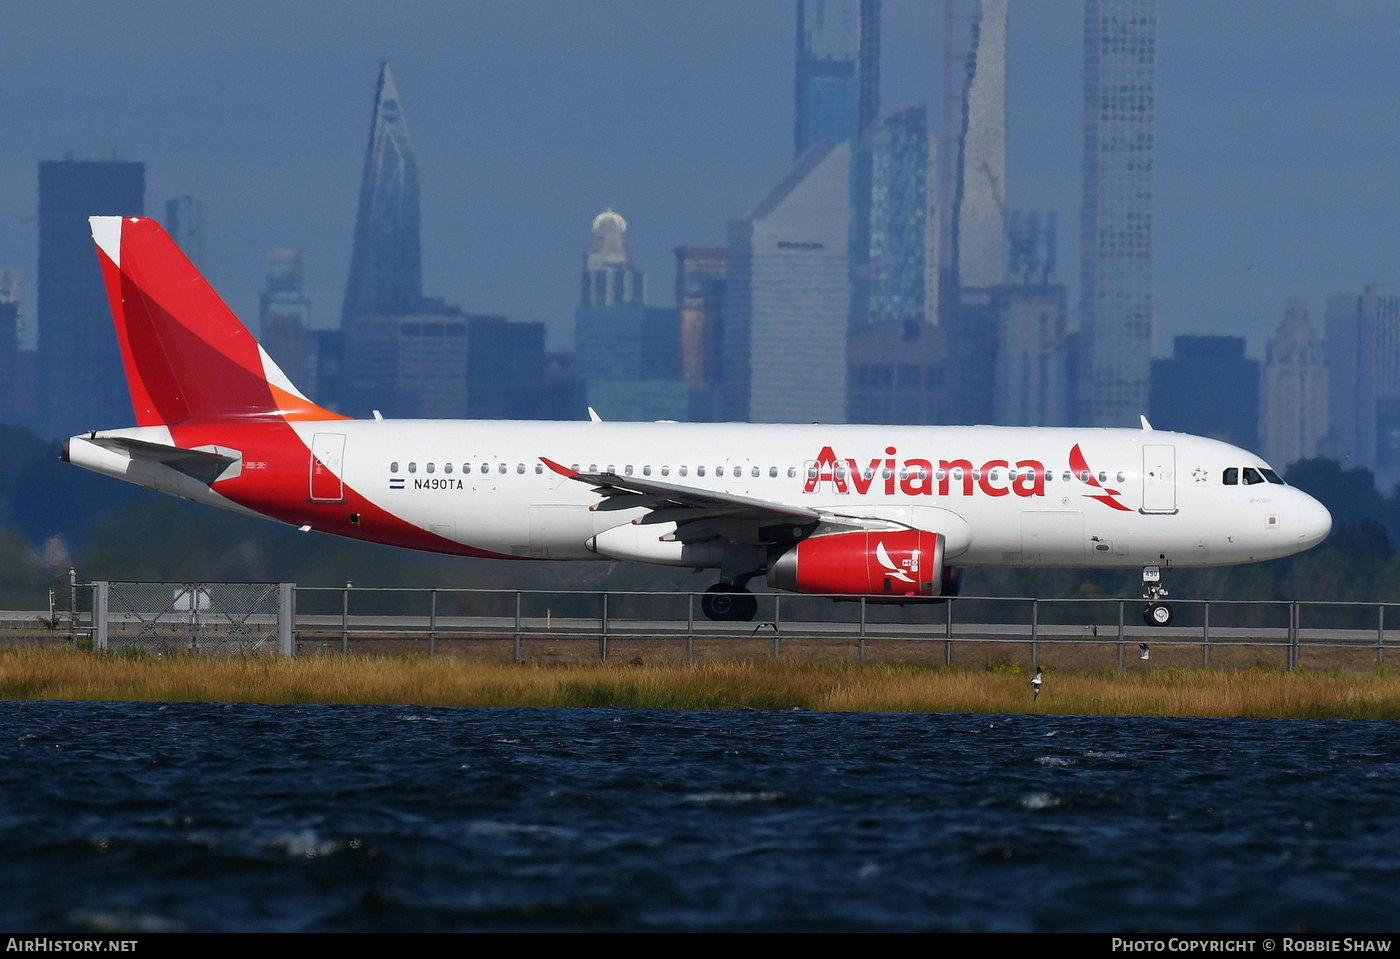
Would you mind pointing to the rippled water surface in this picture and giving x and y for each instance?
(143, 817)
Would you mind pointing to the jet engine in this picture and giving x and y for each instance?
(879, 563)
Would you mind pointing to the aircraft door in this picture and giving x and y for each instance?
(327, 468)
(1158, 478)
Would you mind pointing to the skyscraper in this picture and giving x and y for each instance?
(386, 270)
(838, 100)
(1116, 313)
(979, 223)
(1032, 309)
(609, 276)
(903, 218)
(979, 227)
(1363, 363)
(284, 318)
(700, 303)
(838, 63)
(1208, 387)
(787, 297)
(184, 221)
(1293, 397)
(84, 387)
(626, 353)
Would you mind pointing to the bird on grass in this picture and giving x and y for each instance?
(1035, 683)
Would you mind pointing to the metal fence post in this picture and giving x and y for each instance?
(517, 625)
(1293, 634)
(100, 593)
(286, 619)
(861, 656)
(432, 623)
(345, 621)
(1035, 617)
(1120, 636)
(1380, 635)
(690, 629)
(603, 637)
(73, 607)
(777, 618)
(1205, 636)
(948, 636)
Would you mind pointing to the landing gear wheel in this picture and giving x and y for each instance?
(725, 603)
(1157, 614)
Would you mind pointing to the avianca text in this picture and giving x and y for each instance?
(920, 477)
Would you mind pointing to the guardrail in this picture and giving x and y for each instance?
(564, 626)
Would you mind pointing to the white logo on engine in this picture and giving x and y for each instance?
(884, 557)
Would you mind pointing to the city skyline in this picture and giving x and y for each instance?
(1256, 203)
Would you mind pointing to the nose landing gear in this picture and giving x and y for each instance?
(1156, 613)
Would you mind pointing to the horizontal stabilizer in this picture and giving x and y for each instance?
(206, 464)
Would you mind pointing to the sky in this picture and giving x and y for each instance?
(1278, 136)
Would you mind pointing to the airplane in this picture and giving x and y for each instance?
(888, 513)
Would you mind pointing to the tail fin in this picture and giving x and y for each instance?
(187, 356)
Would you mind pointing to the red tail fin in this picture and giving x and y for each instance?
(187, 356)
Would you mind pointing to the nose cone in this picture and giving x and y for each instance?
(1314, 522)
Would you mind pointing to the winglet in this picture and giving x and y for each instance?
(593, 415)
(1146, 426)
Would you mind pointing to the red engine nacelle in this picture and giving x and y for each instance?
(906, 562)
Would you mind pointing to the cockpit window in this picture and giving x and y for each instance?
(1252, 476)
(1273, 477)
(1232, 476)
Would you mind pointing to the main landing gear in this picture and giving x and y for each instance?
(1156, 613)
(725, 602)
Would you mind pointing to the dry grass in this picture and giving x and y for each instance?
(59, 674)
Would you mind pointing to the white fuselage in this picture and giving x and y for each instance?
(1001, 496)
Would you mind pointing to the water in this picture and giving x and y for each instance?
(118, 817)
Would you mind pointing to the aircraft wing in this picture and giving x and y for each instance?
(674, 503)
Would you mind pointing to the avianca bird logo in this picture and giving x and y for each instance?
(883, 556)
(1109, 497)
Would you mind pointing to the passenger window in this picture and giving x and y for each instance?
(502, 468)
(393, 467)
(447, 467)
(627, 469)
(1122, 476)
(683, 470)
(719, 470)
(699, 471)
(520, 467)
(792, 472)
(612, 468)
(665, 471)
(413, 467)
(539, 467)
(466, 467)
(430, 467)
(646, 470)
(1232, 477)
(754, 472)
(869, 474)
(1103, 477)
(772, 472)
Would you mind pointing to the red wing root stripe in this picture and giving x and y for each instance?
(561, 470)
